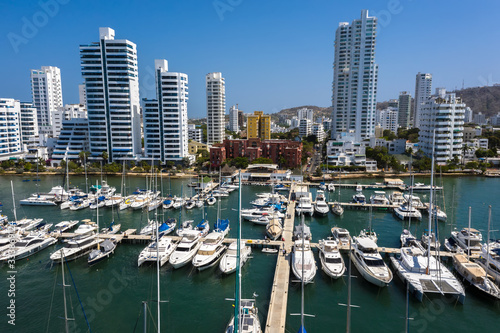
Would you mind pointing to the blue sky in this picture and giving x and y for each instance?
(273, 54)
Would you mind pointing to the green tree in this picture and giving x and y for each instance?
(83, 156)
(262, 160)
(27, 166)
(240, 162)
(105, 156)
(186, 162)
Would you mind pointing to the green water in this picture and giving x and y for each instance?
(113, 291)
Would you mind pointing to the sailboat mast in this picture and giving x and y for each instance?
(302, 279)
(237, 302)
(64, 294)
(13, 201)
(488, 243)
(85, 167)
(348, 324)
(158, 267)
(468, 238)
(430, 206)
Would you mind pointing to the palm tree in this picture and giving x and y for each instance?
(465, 149)
(105, 156)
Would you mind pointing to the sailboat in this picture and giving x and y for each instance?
(245, 318)
(421, 271)
(39, 200)
(104, 249)
(22, 225)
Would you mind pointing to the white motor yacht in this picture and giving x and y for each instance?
(342, 236)
(396, 198)
(416, 202)
(22, 225)
(331, 259)
(369, 262)
(303, 264)
(76, 248)
(65, 225)
(228, 262)
(404, 212)
(490, 259)
(140, 201)
(423, 187)
(432, 240)
(274, 228)
(114, 200)
(304, 206)
(359, 198)
(186, 249)
(320, 206)
(469, 239)
(379, 198)
(252, 213)
(184, 226)
(210, 251)
(37, 200)
(162, 249)
(27, 246)
(86, 228)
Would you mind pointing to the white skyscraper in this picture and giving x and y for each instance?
(305, 113)
(165, 118)
(29, 125)
(10, 131)
(195, 134)
(388, 119)
(109, 68)
(423, 90)
(233, 119)
(216, 106)
(305, 127)
(355, 78)
(46, 91)
(444, 113)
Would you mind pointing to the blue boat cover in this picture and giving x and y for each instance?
(167, 202)
(302, 329)
(221, 225)
(101, 198)
(201, 225)
(163, 227)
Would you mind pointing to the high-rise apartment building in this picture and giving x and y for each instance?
(165, 118)
(259, 126)
(355, 76)
(195, 134)
(423, 90)
(404, 109)
(28, 121)
(305, 127)
(10, 131)
(109, 68)
(233, 119)
(388, 119)
(82, 95)
(443, 113)
(73, 139)
(216, 106)
(305, 113)
(46, 91)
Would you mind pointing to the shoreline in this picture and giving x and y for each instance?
(330, 177)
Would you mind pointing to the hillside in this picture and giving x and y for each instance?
(289, 113)
(482, 99)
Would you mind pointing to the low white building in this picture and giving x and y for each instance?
(397, 146)
(347, 159)
(195, 134)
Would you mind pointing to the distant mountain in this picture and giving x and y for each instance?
(290, 112)
(480, 99)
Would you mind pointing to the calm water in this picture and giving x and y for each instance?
(112, 292)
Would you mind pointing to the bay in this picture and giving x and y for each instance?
(112, 291)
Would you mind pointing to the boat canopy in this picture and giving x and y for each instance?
(201, 225)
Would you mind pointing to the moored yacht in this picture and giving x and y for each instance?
(65, 225)
(405, 211)
(341, 235)
(331, 259)
(369, 262)
(469, 239)
(210, 251)
(186, 249)
(249, 322)
(161, 250)
(75, 248)
(396, 198)
(379, 198)
(274, 229)
(228, 262)
(27, 246)
(320, 206)
(475, 275)
(303, 264)
(304, 206)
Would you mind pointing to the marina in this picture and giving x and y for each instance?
(277, 297)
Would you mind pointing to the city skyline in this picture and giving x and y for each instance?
(276, 48)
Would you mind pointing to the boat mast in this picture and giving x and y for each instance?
(237, 308)
(468, 237)
(97, 222)
(158, 265)
(348, 324)
(430, 207)
(64, 294)
(13, 201)
(302, 279)
(488, 243)
(85, 167)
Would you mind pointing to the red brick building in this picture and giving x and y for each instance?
(285, 153)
